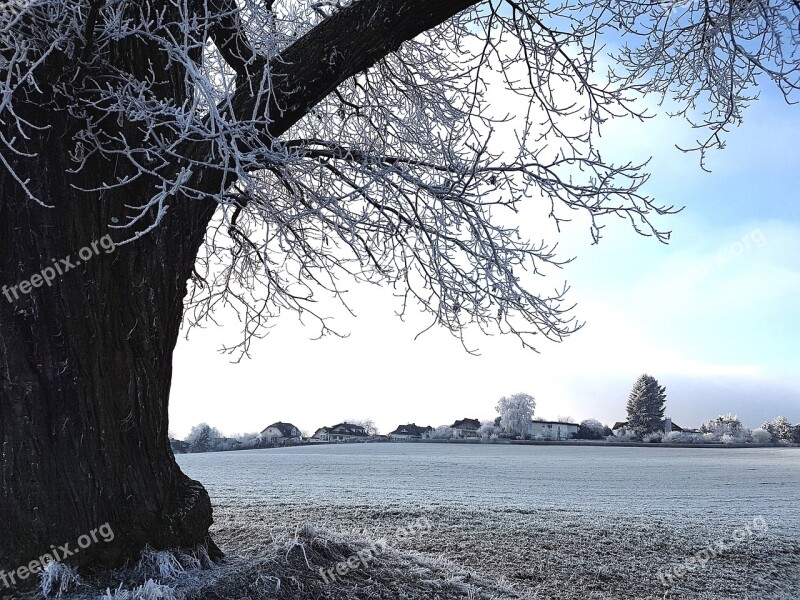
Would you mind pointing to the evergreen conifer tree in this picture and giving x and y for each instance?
(646, 406)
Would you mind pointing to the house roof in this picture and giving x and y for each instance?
(348, 429)
(466, 424)
(554, 422)
(284, 428)
(411, 429)
(621, 424)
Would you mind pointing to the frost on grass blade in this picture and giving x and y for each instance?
(150, 590)
(57, 579)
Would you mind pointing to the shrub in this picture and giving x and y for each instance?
(678, 437)
(724, 424)
(204, 438)
(442, 432)
(653, 438)
(761, 436)
(780, 429)
(487, 430)
(591, 429)
(248, 441)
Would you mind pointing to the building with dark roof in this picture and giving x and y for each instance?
(281, 433)
(667, 426)
(342, 432)
(410, 432)
(467, 427)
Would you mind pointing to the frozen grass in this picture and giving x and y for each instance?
(149, 590)
(558, 554)
(470, 553)
(57, 579)
(569, 524)
(169, 566)
(287, 566)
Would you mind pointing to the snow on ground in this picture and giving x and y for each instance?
(680, 483)
(489, 521)
(566, 522)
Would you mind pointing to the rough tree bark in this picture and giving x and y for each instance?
(86, 364)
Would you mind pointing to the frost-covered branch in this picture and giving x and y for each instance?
(377, 140)
(707, 57)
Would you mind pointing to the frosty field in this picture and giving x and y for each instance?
(543, 521)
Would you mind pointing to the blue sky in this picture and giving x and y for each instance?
(713, 315)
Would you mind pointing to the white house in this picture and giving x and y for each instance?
(281, 433)
(552, 430)
(343, 432)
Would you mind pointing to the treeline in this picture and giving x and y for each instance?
(204, 438)
(724, 429)
(646, 422)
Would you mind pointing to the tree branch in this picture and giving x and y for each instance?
(348, 42)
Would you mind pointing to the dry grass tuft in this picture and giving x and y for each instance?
(290, 568)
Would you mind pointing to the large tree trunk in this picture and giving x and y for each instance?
(85, 370)
(86, 362)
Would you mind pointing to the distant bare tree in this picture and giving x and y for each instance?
(368, 425)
